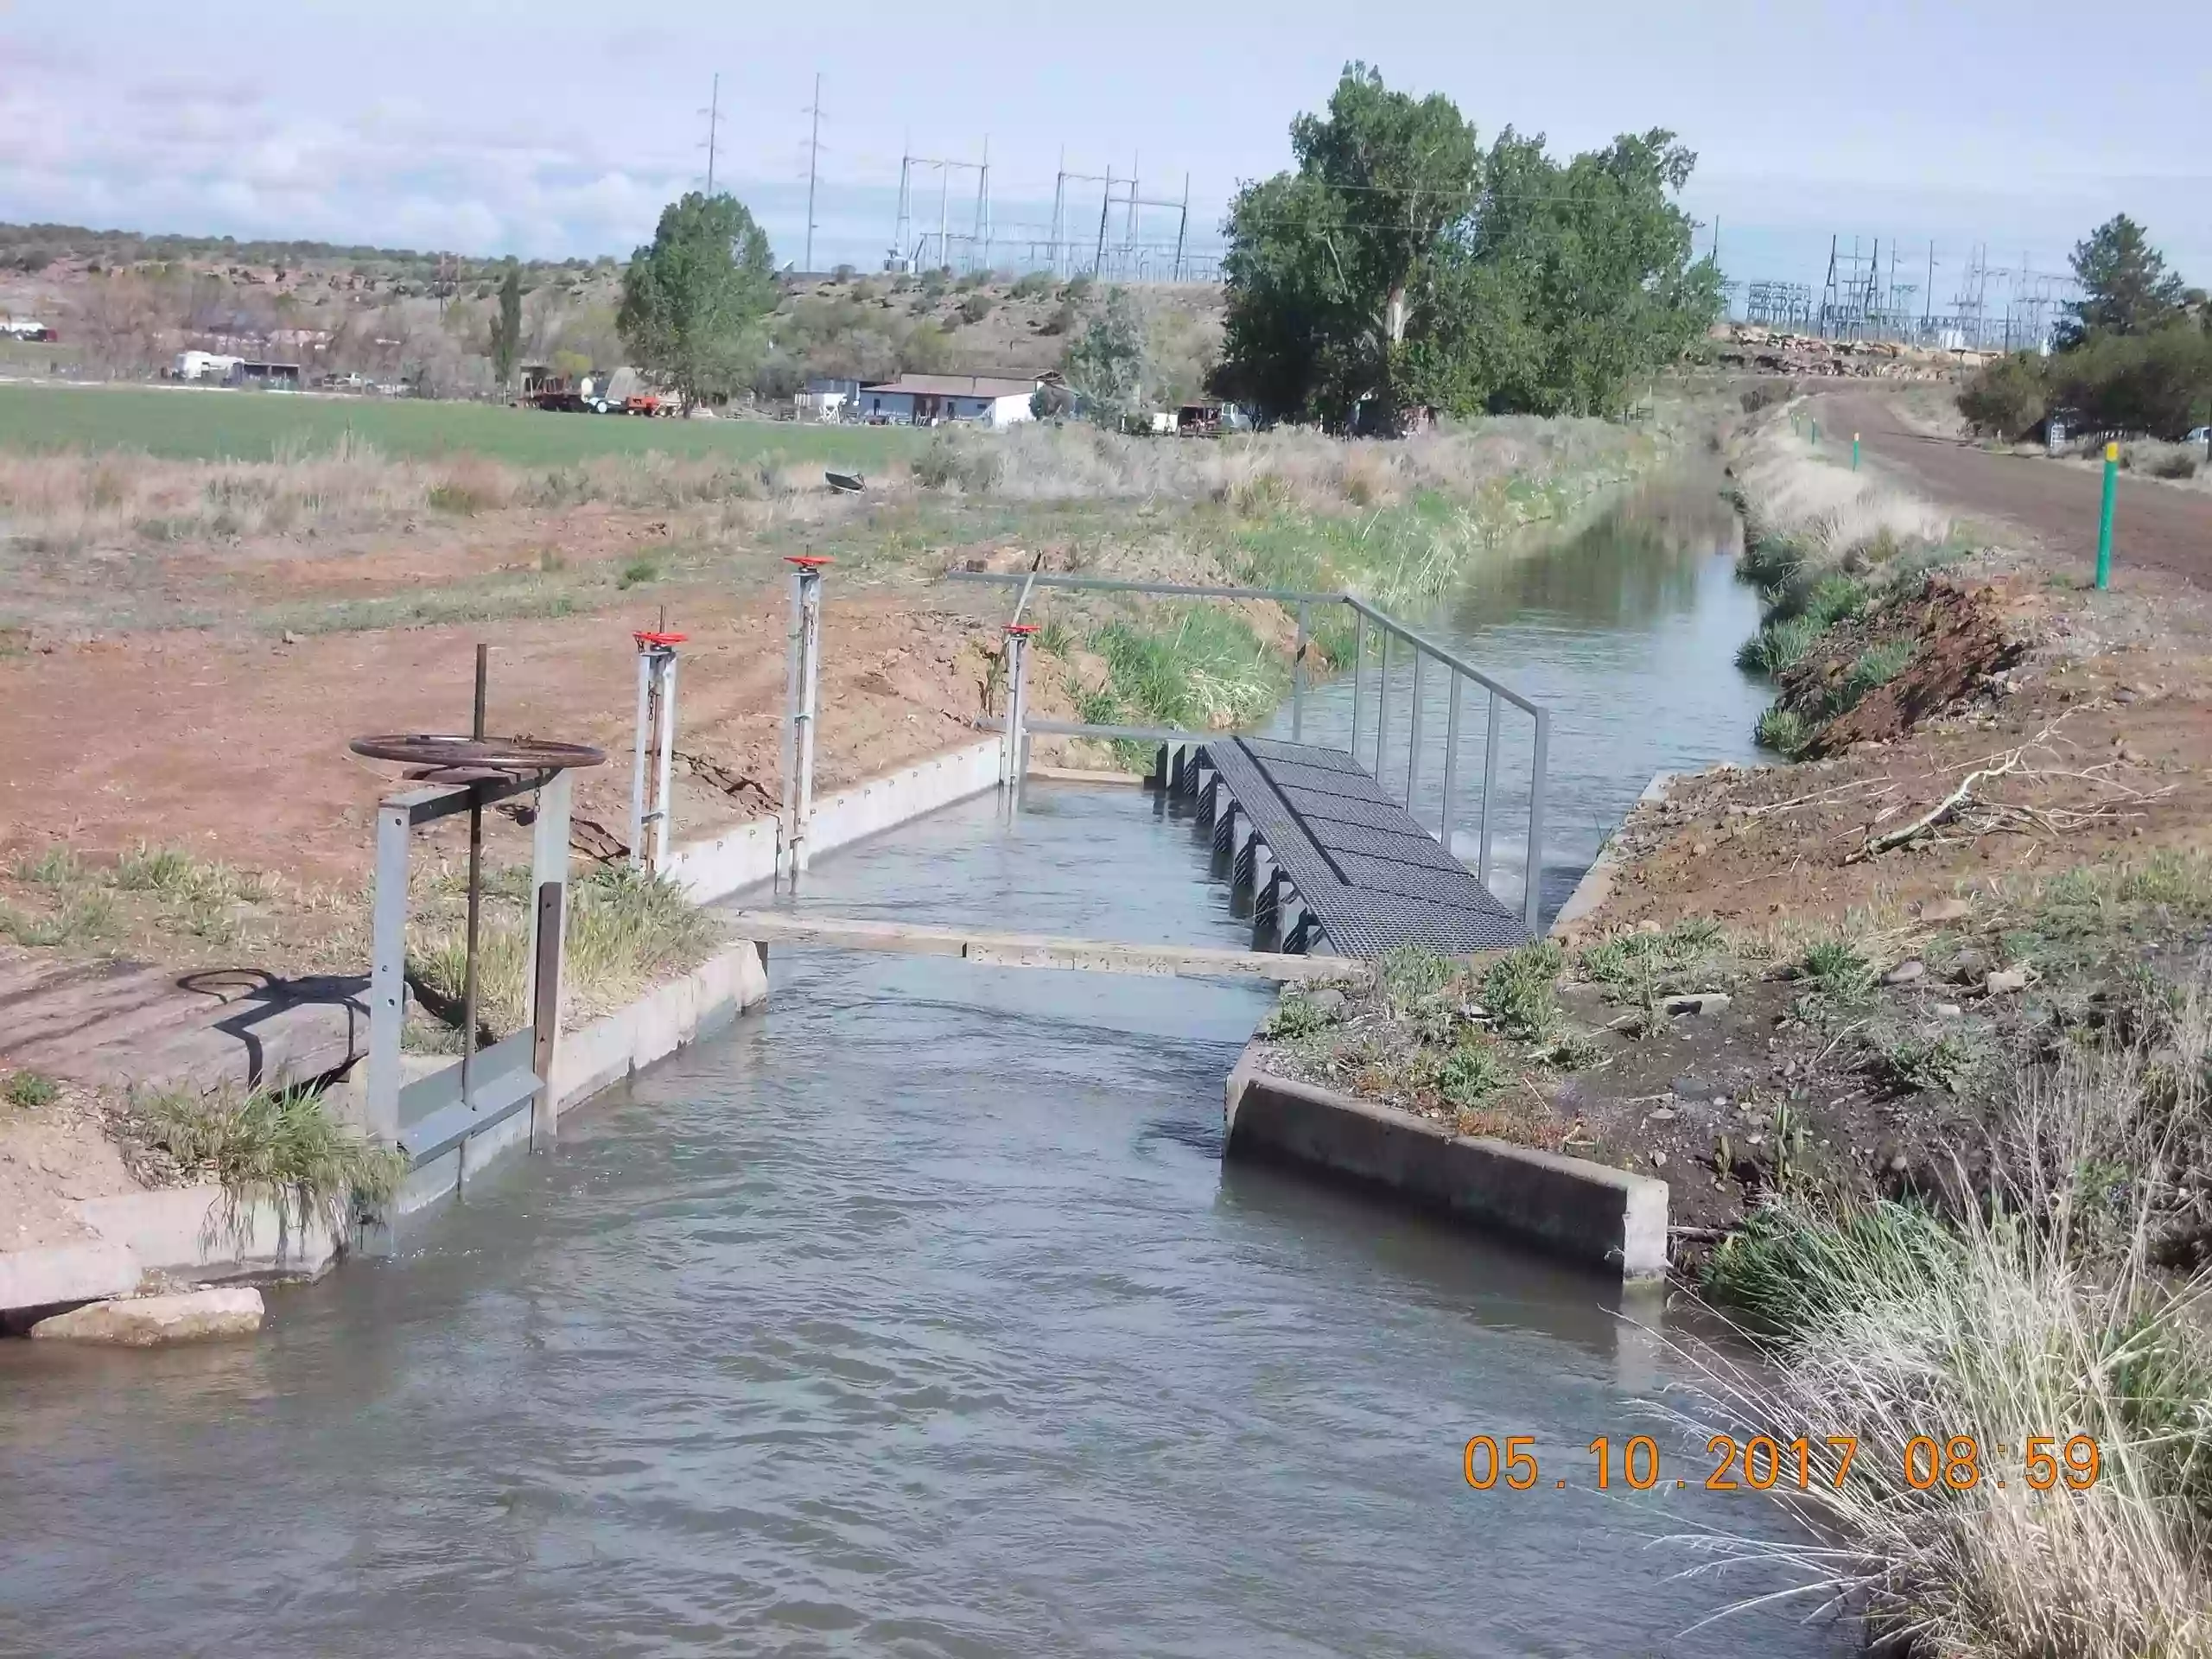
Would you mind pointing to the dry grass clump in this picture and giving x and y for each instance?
(68, 500)
(1291, 467)
(626, 932)
(1807, 516)
(2036, 1316)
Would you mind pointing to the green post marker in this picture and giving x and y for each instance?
(2104, 516)
(1816, 435)
(1854, 451)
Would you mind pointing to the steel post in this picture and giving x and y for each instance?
(802, 681)
(387, 973)
(1490, 790)
(1382, 709)
(468, 1022)
(1358, 678)
(638, 761)
(1412, 743)
(663, 800)
(1013, 756)
(1298, 679)
(2104, 515)
(1532, 896)
(1451, 759)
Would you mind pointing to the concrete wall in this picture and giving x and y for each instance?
(746, 857)
(1583, 1211)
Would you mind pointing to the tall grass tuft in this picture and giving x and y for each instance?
(2023, 1333)
(624, 931)
(278, 1145)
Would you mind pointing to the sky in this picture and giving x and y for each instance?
(558, 128)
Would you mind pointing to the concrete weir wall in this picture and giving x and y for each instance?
(1586, 1213)
(746, 857)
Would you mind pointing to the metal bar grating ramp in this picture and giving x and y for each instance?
(1363, 867)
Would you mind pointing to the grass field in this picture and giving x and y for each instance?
(189, 424)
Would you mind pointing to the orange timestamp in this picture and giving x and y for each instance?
(1763, 1463)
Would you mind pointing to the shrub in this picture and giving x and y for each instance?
(1781, 644)
(975, 308)
(1034, 286)
(1782, 730)
(1940, 1062)
(2159, 383)
(2007, 398)
(29, 1089)
(1835, 599)
(1520, 990)
(1873, 667)
(638, 572)
(1471, 1073)
(1765, 395)
(1836, 969)
(1411, 974)
(1297, 1015)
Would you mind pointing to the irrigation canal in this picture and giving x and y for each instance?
(916, 1314)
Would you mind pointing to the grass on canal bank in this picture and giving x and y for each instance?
(2026, 1369)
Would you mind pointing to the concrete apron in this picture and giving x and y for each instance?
(1577, 1210)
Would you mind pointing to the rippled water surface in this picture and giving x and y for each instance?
(916, 1315)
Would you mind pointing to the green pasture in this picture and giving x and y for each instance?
(201, 424)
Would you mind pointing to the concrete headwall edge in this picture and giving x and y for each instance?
(1596, 883)
(1582, 1211)
(746, 857)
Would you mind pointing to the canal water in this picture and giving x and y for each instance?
(1626, 627)
(919, 1315)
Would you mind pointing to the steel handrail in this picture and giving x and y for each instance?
(1388, 627)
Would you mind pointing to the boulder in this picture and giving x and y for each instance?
(146, 1321)
(1697, 1002)
(1905, 972)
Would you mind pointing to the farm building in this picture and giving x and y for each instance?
(928, 399)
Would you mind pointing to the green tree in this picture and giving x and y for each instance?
(2126, 287)
(1401, 265)
(506, 331)
(693, 301)
(1108, 366)
(2007, 397)
(1324, 263)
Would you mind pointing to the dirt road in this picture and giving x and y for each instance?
(2156, 526)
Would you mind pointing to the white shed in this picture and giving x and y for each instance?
(928, 399)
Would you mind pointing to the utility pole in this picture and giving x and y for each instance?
(1129, 235)
(944, 202)
(1098, 259)
(714, 119)
(1928, 305)
(1059, 209)
(813, 164)
(982, 237)
(1182, 227)
(901, 236)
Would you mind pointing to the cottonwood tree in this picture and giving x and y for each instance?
(694, 301)
(1108, 366)
(2126, 287)
(506, 328)
(1399, 264)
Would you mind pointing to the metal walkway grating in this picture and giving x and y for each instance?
(1364, 869)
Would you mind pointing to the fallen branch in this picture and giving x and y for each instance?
(1942, 812)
